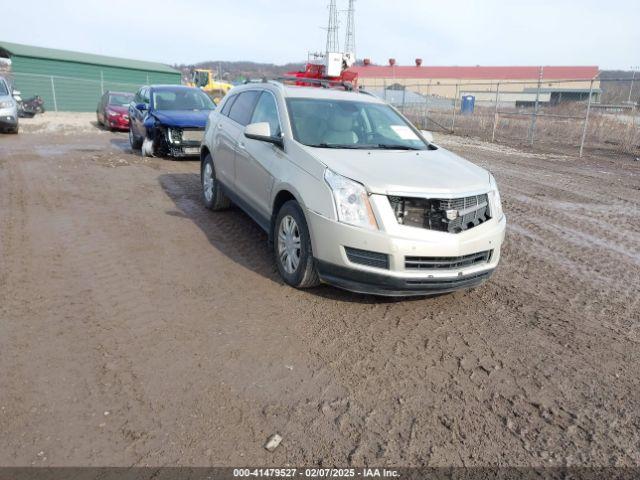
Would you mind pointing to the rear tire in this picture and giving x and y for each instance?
(135, 143)
(212, 195)
(292, 247)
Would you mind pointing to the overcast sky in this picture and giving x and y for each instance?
(464, 32)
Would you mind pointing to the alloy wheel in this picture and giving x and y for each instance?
(289, 243)
(207, 182)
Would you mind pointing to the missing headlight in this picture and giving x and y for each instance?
(175, 135)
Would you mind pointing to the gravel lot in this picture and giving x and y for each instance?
(138, 328)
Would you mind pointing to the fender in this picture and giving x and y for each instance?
(277, 190)
(150, 122)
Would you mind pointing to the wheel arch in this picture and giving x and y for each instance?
(204, 151)
(283, 195)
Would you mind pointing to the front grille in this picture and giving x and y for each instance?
(446, 263)
(192, 135)
(453, 215)
(368, 258)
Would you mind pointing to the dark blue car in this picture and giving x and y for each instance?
(168, 120)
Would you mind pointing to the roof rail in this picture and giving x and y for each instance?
(322, 82)
(255, 80)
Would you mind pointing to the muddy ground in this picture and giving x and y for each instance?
(138, 328)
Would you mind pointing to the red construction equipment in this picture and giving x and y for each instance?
(315, 73)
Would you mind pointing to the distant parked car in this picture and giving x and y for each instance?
(8, 107)
(113, 110)
(169, 120)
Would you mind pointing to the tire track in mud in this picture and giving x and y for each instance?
(93, 314)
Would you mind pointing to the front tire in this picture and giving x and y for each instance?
(212, 195)
(135, 143)
(292, 246)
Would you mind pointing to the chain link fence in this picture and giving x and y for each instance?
(564, 115)
(567, 115)
(67, 93)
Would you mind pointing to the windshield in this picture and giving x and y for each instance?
(3, 88)
(328, 123)
(120, 99)
(182, 99)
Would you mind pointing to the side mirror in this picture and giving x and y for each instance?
(141, 106)
(428, 136)
(16, 93)
(262, 131)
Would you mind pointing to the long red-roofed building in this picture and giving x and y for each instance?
(517, 84)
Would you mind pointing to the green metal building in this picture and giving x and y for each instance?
(74, 81)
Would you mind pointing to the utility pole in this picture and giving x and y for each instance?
(534, 116)
(333, 44)
(350, 36)
(633, 77)
(586, 119)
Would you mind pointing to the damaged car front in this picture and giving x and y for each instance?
(169, 121)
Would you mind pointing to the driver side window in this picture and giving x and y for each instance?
(266, 111)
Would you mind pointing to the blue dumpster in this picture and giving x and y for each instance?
(467, 105)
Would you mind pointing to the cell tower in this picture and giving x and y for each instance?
(333, 44)
(350, 36)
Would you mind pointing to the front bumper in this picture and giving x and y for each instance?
(8, 118)
(390, 286)
(120, 123)
(190, 150)
(329, 239)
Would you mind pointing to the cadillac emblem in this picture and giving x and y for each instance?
(452, 214)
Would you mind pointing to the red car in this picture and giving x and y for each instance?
(113, 110)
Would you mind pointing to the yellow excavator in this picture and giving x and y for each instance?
(205, 79)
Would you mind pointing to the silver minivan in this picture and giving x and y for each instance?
(8, 108)
(350, 192)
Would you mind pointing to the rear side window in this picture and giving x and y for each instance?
(119, 99)
(242, 108)
(227, 105)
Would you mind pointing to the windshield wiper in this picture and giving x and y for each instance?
(387, 146)
(334, 145)
(382, 146)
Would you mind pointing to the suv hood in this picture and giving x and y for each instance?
(182, 118)
(407, 171)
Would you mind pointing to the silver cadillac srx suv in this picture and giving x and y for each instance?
(350, 192)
